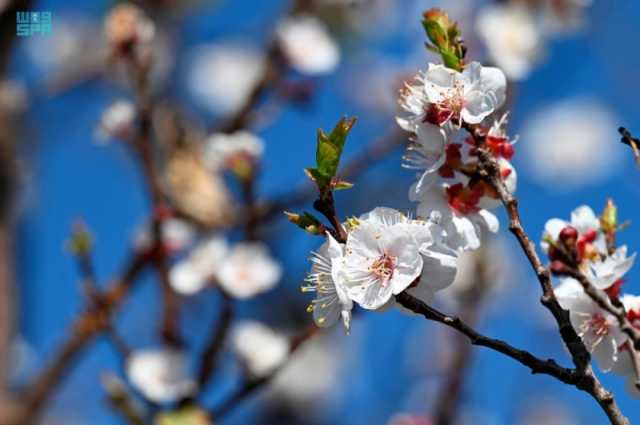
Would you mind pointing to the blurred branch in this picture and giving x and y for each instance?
(471, 300)
(7, 143)
(215, 344)
(120, 400)
(253, 385)
(273, 74)
(94, 320)
(579, 354)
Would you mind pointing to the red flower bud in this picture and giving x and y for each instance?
(569, 233)
(590, 236)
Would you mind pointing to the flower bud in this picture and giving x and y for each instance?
(126, 25)
(568, 235)
(609, 217)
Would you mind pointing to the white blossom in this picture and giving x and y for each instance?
(261, 350)
(441, 95)
(311, 378)
(159, 374)
(603, 273)
(458, 212)
(222, 76)
(564, 144)
(221, 149)
(598, 329)
(381, 258)
(512, 37)
(307, 45)
(625, 365)
(176, 235)
(326, 279)
(426, 153)
(584, 220)
(117, 120)
(248, 270)
(192, 274)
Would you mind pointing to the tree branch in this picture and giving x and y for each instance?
(537, 365)
(89, 324)
(581, 358)
(216, 342)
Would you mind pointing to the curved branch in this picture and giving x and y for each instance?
(581, 358)
(537, 365)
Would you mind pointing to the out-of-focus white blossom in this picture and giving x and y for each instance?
(248, 270)
(547, 412)
(159, 374)
(512, 37)
(192, 274)
(261, 350)
(127, 25)
(563, 142)
(311, 378)
(117, 121)
(222, 76)
(71, 40)
(176, 235)
(221, 149)
(307, 45)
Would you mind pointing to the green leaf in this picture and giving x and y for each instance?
(328, 153)
(341, 185)
(190, 415)
(340, 132)
(307, 222)
(317, 177)
(327, 156)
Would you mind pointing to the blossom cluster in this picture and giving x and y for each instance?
(386, 252)
(586, 244)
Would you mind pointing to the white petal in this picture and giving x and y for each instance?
(384, 216)
(185, 279)
(261, 349)
(489, 220)
(494, 81)
(583, 219)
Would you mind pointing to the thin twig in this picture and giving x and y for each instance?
(537, 365)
